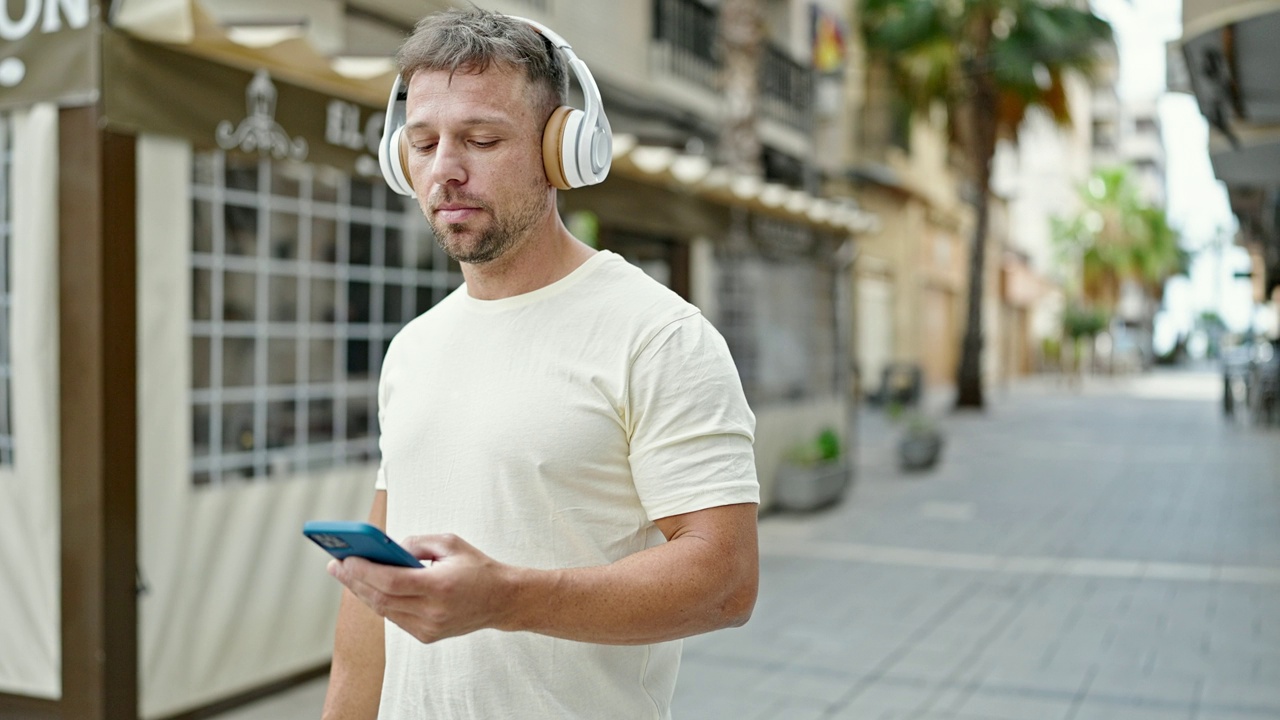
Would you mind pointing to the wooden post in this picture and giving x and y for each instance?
(98, 427)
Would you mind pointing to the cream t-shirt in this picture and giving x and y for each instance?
(549, 430)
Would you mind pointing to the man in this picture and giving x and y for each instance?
(575, 430)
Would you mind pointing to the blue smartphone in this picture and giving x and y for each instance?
(343, 539)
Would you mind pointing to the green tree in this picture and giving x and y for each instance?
(987, 62)
(1118, 236)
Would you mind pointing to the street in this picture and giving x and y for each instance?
(1105, 552)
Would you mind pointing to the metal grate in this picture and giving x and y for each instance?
(301, 275)
(6, 296)
(777, 294)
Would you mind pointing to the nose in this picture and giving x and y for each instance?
(447, 164)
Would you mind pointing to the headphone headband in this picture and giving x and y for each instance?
(577, 144)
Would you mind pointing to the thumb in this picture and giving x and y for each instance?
(433, 547)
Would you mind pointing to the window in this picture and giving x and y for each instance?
(301, 275)
(6, 298)
(778, 313)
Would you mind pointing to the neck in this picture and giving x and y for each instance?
(547, 255)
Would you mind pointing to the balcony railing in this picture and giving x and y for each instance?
(684, 45)
(786, 89)
(684, 41)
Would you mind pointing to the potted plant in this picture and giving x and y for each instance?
(813, 474)
(921, 443)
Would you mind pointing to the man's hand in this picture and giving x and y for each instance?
(460, 591)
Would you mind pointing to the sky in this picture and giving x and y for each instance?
(1196, 202)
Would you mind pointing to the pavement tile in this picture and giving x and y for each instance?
(1015, 707)
(1241, 697)
(799, 682)
(792, 708)
(887, 702)
(1027, 679)
(1111, 711)
(1147, 691)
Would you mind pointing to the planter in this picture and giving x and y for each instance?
(919, 450)
(809, 487)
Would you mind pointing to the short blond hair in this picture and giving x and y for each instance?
(472, 40)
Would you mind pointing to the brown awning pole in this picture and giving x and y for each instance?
(97, 261)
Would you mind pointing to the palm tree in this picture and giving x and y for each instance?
(1116, 237)
(987, 62)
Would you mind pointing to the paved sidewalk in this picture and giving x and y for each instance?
(1110, 552)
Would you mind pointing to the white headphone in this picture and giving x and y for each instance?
(577, 145)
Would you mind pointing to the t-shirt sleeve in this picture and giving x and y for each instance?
(691, 431)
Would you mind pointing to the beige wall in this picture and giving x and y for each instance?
(30, 634)
(779, 427)
(923, 255)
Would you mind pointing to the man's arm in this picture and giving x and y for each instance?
(704, 578)
(355, 678)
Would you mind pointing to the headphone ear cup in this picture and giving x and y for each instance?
(394, 161)
(554, 147)
(571, 149)
(402, 160)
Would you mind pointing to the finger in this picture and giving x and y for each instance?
(380, 600)
(357, 572)
(349, 568)
(366, 578)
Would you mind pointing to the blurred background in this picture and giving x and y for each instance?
(999, 276)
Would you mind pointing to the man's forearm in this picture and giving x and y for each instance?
(695, 583)
(359, 655)
(355, 678)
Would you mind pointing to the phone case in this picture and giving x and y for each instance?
(343, 539)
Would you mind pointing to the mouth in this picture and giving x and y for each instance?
(455, 212)
(456, 215)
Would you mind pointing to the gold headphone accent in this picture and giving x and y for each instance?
(553, 147)
(404, 160)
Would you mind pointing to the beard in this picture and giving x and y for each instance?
(504, 231)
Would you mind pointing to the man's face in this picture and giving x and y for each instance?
(475, 157)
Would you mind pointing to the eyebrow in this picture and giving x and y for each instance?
(469, 122)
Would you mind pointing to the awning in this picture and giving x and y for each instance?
(1202, 16)
(185, 25)
(1256, 163)
(1231, 57)
(697, 175)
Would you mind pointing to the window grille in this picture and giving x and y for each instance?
(301, 275)
(777, 311)
(6, 296)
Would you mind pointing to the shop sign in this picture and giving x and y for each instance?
(47, 52)
(343, 128)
